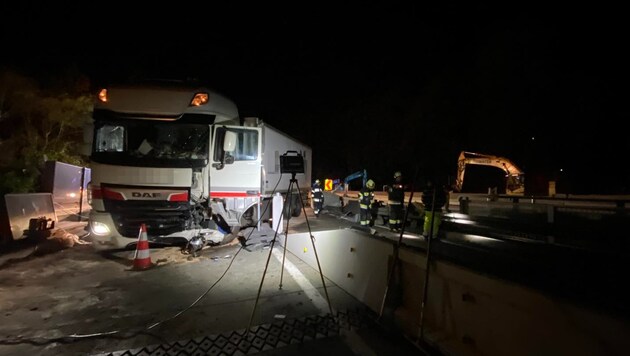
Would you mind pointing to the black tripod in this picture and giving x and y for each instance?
(287, 207)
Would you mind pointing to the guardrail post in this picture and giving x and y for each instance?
(551, 211)
(551, 215)
(464, 205)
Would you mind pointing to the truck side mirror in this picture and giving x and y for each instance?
(229, 142)
(229, 146)
(230, 139)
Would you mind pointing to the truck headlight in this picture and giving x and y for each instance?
(99, 228)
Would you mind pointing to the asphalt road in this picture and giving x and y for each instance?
(60, 299)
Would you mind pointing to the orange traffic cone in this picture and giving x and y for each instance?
(141, 259)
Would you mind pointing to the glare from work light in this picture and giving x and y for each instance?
(477, 238)
(458, 215)
(464, 221)
(459, 218)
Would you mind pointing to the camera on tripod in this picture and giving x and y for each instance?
(293, 163)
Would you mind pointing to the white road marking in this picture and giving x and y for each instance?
(311, 292)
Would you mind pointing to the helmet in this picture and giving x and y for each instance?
(397, 174)
(317, 181)
(370, 184)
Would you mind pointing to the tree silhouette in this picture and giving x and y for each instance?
(38, 124)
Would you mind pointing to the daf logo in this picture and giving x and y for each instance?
(145, 195)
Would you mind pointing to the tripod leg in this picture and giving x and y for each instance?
(262, 280)
(287, 205)
(293, 182)
(321, 275)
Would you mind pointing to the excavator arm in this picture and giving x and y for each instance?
(515, 177)
(358, 174)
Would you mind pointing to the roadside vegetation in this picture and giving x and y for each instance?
(40, 120)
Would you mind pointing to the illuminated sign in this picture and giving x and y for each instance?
(328, 184)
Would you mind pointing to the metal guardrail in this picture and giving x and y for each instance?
(616, 201)
(585, 223)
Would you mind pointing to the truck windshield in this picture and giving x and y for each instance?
(151, 144)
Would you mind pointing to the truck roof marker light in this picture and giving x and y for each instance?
(199, 99)
(102, 95)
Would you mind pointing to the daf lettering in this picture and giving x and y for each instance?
(145, 195)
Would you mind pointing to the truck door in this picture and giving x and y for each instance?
(235, 170)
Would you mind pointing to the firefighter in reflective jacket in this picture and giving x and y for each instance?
(318, 197)
(395, 196)
(434, 198)
(366, 199)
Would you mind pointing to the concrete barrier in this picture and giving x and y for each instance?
(466, 313)
(333, 200)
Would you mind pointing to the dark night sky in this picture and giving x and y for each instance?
(380, 87)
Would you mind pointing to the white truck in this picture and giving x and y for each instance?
(177, 157)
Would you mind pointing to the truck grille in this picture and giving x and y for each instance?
(160, 217)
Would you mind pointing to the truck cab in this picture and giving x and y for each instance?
(172, 156)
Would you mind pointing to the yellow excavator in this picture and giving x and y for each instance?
(515, 177)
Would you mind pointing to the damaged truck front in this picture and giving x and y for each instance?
(175, 157)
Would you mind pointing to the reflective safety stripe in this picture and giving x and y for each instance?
(232, 194)
(143, 254)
